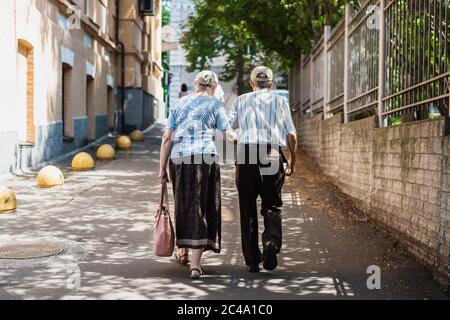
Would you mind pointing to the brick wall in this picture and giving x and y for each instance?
(399, 175)
(33, 29)
(355, 161)
(330, 137)
(444, 203)
(309, 130)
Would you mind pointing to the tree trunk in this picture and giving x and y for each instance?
(240, 76)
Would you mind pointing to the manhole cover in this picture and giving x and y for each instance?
(30, 251)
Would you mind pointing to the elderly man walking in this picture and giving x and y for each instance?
(266, 127)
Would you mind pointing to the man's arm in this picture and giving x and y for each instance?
(292, 138)
(233, 118)
(292, 145)
(166, 147)
(223, 125)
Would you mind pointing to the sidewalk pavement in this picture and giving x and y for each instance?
(104, 220)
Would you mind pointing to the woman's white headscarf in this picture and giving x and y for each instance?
(206, 79)
(219, 93)
(210, 79)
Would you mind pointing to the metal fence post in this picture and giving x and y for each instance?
(291, 87)
(346, 59)
(300, 77)
(326, 67)
(381, 62)
(311, 84)
(300, 86)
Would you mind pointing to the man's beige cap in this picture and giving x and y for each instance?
(262, 74)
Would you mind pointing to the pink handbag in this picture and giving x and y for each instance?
(163, 232)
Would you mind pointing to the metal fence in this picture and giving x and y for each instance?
(317, 77)
(335, 83)
(305, 82)
(385, 58)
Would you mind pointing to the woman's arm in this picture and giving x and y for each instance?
(230, 136)
(166, 147)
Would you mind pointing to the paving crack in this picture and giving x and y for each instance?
(77, 195)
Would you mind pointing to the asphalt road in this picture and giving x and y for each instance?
(104, 220)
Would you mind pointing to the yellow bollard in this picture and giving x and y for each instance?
(124, 143)
(50, 177)
(83, 162)
(137, 136)
(8, 202)
(106, 152)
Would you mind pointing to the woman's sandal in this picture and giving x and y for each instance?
(196, 273)
(182, 259)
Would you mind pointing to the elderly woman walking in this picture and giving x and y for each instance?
(189, 149)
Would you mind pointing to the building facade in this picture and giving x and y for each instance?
(180, 11)
(61, 79)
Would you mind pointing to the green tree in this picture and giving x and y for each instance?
(288, 27)
(280, 30)
(166, 55)
(212, 34)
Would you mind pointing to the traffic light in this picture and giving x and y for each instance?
(167, 79)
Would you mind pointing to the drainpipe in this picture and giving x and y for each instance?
(122, 67)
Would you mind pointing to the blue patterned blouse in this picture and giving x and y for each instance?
(195, 120)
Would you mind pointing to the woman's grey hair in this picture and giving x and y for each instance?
(207, 79)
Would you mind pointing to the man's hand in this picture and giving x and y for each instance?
(290, 169)
(230, 136)
(292, 144)
(162, 176)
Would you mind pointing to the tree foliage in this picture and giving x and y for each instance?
(166, 55)
(280, 29)
(212, 34)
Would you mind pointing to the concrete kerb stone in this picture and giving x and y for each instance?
(72, 153)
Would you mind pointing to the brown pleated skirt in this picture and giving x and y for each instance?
(197, 192)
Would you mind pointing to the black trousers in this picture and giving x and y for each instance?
(252, 182)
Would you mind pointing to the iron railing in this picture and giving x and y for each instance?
(417, 59)
(335, 56)
(363, 61)
(306, 80)
(317, 77)
(389, 58)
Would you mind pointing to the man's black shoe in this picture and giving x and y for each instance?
(270, 258)
(253, 268)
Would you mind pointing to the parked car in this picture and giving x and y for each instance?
(283, 93)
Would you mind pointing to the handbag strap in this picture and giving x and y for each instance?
(164, 200)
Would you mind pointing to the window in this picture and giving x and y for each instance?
(25, 78)
(90, 107)
(111, 109)
(63, 22)
(66, 93)
(88, 41)
(147, 7)
(86, 7)
(107, 56)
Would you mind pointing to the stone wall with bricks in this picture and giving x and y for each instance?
(64, 96)
(399, 176)
(444, 210)
(355, 161)
(309, 130)
(330, 137)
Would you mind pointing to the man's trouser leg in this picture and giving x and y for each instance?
(271, 208)
(248, 184)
